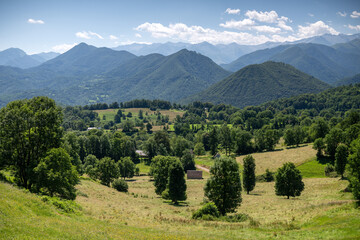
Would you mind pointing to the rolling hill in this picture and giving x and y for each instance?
(86, 74)
(256, 84)
(328, 64)
(347, 81)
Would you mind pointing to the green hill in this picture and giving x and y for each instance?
(256, 84)
(86, 74)
(326, 63)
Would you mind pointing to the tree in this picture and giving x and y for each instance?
(341, 159)
(249, 173)
(288, 181)
(107, 171)
(90, 164)
(56, 175)
(199, 149)
(319, 129)
(225, 139)
(160, 170)
(148, 127)
(213, 141)
(141, 114)
(332, 140)
(176, 182)
(28, 130)
(266, 138)
(187, 160)
(319, 145)
(354, 168)
(224, 185)
(126, 167)
(242, 141)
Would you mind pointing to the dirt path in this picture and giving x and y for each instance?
(202, 168)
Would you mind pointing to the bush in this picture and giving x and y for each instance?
(209, 209)
(67, 206)
(330, 170)
(120, 185)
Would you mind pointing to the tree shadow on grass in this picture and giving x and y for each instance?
(179, 204)
(324, 160)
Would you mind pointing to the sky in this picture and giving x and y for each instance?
(57, 25)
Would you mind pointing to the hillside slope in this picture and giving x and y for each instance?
(256, 84)
(328, 64)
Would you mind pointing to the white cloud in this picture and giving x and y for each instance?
(311, 15)
(355, 14)
(128, 42)
(112, 37)
(315, 29)
(63, 47)
(232, 11)
(138, 35)
(87, 35)
(266, 29)
(342, 14)
(356, 27)
(197, 34)
(268, 17)
(33, 21)
(243, 24)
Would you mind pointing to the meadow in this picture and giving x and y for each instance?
(323, 211)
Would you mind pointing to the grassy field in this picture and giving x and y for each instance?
(110, 113)
(323, 211)
(275, 159)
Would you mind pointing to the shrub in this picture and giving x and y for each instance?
(209, 209)
(330, 170)
(120, 185)
(240, 217)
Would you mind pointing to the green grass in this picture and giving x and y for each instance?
(144, 169)
(312, 169)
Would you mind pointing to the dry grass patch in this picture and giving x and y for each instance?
(275, 159)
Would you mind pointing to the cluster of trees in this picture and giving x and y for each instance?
(30, 144)
(143, 103)
(169, 181)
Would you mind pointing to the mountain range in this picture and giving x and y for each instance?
(226, 53)
(87, 74)
(258, 83)
(329, 64)
(16, 57)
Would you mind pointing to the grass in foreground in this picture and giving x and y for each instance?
(321, 212)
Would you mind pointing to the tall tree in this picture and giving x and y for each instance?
(213, 141)
(288, 181)
(341, 159)
(249, 173)
(160, 170)
(28, 129)
(224, 185)
(354, 168)
(332, 140)
(225, 139)
(176, 182)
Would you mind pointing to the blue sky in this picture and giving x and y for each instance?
(57, 25)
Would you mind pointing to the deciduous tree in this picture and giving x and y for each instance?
(224, 185)
(288, 181)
